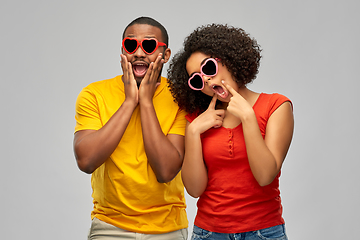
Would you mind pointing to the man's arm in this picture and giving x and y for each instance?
(93, 147)
(165, 153)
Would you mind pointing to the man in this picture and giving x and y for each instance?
(129, 135)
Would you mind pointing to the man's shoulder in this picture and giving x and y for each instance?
(106, 82)
(105, 86)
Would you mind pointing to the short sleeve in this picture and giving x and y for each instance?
(276, 101)
(191, 117)
(87, 112)
(179, 124)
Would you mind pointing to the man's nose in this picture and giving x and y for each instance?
(139, 52)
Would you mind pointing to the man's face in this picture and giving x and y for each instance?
(139, 59)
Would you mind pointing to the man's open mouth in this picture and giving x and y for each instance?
(140, 68)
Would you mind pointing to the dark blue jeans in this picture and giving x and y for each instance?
(271, 233)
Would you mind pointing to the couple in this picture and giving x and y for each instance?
(135, 132)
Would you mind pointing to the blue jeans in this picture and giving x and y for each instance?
(271, 233)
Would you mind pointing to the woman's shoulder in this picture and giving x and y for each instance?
(191, 116)
(273, 97)
(267, 103)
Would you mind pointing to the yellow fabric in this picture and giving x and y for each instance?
(126, 193)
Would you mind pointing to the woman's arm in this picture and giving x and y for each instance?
(194, 172)
(265, 156)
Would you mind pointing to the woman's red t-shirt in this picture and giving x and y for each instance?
(233, 201)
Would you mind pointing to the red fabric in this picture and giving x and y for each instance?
(233, 201)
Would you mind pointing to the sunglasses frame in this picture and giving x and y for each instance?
(140, 43)
(202, 74)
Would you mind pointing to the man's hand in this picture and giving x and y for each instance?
(150, 81)
(130, 85)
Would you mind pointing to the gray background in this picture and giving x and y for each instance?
(50, 50)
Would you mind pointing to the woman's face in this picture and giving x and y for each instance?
(212, 84)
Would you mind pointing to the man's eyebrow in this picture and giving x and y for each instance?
(134, 36)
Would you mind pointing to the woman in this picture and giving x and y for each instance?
(236, 140)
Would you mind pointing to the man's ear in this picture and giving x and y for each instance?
(167, 55)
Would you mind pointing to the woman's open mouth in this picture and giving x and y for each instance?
(219, 90)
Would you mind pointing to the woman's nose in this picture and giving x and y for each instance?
(206, 79)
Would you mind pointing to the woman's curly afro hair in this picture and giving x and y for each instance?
(237, 50)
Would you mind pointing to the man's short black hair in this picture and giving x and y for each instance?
(152, 22)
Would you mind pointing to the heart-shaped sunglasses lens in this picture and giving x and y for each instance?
(196, 82)
(209, 68)
(130, 45)
(149, 45)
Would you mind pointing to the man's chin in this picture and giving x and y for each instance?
(138, 81)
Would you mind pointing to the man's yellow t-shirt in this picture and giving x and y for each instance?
(126, 192)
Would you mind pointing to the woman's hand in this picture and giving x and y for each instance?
(238, 106)
(208, 119)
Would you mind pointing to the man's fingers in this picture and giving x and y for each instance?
(149, 71)
(130, 71)
(126, 68)
(123, 62)
(157, 66)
